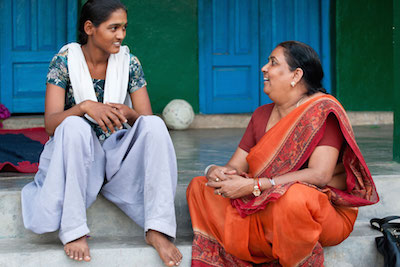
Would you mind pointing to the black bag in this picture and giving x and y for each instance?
(388, 244)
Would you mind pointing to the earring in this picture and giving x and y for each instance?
(292, 83)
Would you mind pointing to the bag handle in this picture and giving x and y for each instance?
(377, 223)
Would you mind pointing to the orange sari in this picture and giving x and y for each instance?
(288, 224)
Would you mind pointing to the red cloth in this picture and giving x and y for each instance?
(20, 149)
(256, 130)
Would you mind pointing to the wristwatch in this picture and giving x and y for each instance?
(256, 188)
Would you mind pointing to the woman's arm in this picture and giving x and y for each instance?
(236, 165)
(227, 180)
(54, 108)
(321, 166)
(320, 170)
(104, 115)
(141, 104)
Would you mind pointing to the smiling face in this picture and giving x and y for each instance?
(277, 75)
(109, 35)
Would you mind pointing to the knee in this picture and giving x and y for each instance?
(74, 128)
(153, 122)
(152, 125)
(196, 186)
(296, 198)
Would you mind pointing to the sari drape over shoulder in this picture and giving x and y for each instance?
(288, 145)
(266, 229)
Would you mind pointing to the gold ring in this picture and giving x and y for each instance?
(219, 193)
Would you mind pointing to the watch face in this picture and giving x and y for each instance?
(256, 191)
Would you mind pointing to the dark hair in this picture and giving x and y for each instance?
(301, 55)
(97, 11)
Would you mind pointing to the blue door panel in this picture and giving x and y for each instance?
(243, 23)
(47, 25)
(236, 38)
(220, 26)
(33, 32)
(228, 55)
(300, 20)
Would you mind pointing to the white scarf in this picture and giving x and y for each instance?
(117, 76)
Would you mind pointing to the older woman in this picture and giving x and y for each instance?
(294, 182)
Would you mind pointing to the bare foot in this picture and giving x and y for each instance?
(78, 249)
(169, 254)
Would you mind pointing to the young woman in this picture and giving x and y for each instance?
(99, 143)
(294, 182)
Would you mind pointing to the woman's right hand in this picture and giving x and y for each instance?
(105, 115)
(218, 173)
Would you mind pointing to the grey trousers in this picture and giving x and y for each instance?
(135, 169)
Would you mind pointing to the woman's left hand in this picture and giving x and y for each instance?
(126, 111)
(234, 187)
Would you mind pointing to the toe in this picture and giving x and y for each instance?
(80, 255)
(178, 256)
(72, 254)
(86, 255)
(76, 255)
(175, 257)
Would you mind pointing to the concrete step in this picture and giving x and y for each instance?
(110, 252)
(105, 219)
(358, 250)
(388, 187)
(117, 241)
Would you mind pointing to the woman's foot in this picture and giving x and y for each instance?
(169, 254)
(78, 249)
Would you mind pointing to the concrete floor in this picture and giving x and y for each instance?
(197, 148)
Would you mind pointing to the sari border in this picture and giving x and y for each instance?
(307, 125)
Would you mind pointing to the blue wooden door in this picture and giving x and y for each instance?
(228, 55)
(236, 38)
(32, 31)
(301, 20)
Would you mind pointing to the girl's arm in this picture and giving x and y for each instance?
(104, 115)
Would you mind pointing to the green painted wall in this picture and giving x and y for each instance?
(364, 54)
(163, 35)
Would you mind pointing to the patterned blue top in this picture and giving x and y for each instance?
(58, 75)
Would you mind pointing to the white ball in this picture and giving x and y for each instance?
(178, 114)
